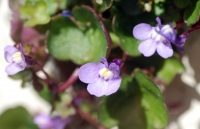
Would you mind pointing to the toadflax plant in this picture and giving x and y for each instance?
(64, 39)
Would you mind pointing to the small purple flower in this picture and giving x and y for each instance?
(103, 78)
(45, 121)
(16, 58)
(157, 38)
(66, 13)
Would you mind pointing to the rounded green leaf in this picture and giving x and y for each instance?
(16, 118)
(66, 41)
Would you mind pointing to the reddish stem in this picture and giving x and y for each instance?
(87, 117)
(108, 38)
(73, 78)
(179, 24)
(194, 29)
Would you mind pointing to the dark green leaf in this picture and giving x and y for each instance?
(123, 29)
(138, 104)
(16, 118)
(181, 3)
(191, 13)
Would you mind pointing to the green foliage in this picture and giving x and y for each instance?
(170, 68)
(128, 43)
(78, 45)
(16, 118)
(103, 5)
(34, 13)
(138, 104)
(191, 13)
(181, 3)
(25, 76)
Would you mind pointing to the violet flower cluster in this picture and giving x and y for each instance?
(158, 39)
(16, 58)
(45, 121)
(103, 78)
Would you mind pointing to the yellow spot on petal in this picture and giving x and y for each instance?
(17, 57)
(106, 73)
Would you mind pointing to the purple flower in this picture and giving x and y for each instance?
(157, 38)
(45, 121)
(103, 78)
(16, 58)
(66, 13)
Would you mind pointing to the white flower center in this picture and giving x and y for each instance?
(156, 36)
(106, 74)
(167, 29)
(17, 57)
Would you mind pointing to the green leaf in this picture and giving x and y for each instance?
(16, 118)
(66, 41)
(181, 3)
(34, 14)
(105, 119)
(103, 5)
(123, 29)
(25, 75)
(169, 69)
(60, 107)
(191, 13)
(138, 105)
(152, 101)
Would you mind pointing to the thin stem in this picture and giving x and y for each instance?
(194, 29)
(178, 25)
(108, 38)
(73, 78)
(46, 74)
(87, 117)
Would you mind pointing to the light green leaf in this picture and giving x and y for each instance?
(152, 101)
(169, 69)
(192, 12)
(67, 42)
(34, 14)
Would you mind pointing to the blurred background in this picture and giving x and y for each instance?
(181, 96)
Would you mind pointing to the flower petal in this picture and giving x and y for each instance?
(11, 50)
(89, 72)
(98, 87)
(168, 32)
(113, 86)
(43, 121)
(114, 67)
(104, 61)
(147, 47)
(8, 57)
(142, 31)
(13, 69)
(164, 49)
